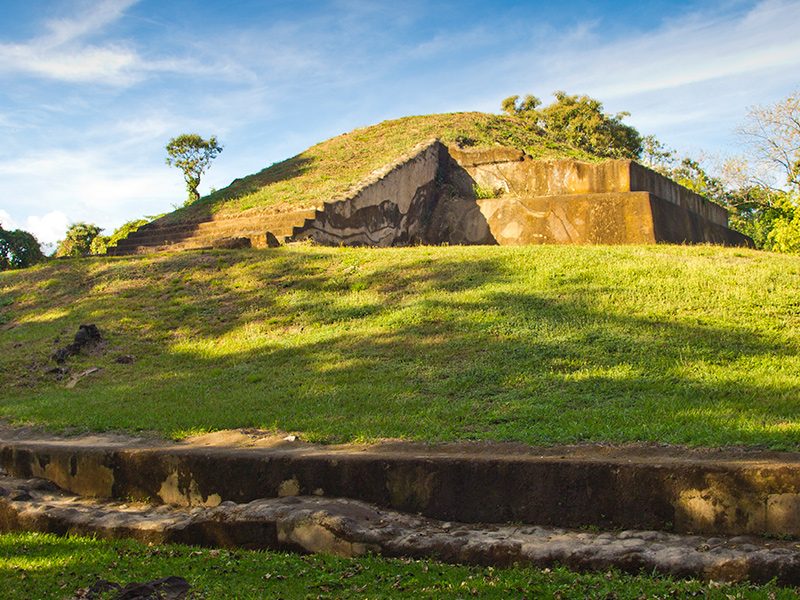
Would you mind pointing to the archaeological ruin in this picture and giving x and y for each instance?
(443, 194)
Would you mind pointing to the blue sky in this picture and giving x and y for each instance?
(90, 91)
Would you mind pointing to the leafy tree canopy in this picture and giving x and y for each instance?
(192, 155)
(18, 249)
(580, 122)
(78, 240)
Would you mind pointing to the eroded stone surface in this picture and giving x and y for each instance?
(391, 208)
(568, 202)
(352, 528)
(727, 492)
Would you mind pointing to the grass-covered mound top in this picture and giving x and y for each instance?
(542, 344)
(331, 168)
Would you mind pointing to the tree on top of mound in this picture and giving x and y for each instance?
(192, 155)
(579, 121)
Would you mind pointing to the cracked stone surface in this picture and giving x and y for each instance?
(353, 528)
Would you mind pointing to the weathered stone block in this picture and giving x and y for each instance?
(783, 514)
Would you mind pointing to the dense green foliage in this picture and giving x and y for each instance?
(44, 567)
(78, 240)
(102, 243)
(541, 344)
(578, 121)
(192, 155)
(18, 249)
(773, 133)
(784, 233)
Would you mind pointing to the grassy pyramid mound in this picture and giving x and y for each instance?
(331, 168)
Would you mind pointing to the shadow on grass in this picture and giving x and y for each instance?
(428, 346)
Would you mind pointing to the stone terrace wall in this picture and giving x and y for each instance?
(642, 179)
(391, 208)
(569, 202)
(251, 230)
(527, 177)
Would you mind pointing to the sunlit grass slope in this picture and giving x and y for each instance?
(542, 344)
(44, 566)
(331, 168)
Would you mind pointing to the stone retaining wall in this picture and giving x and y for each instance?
(391, 209)
(499, 196)
(669, 489)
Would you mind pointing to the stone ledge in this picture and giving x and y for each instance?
(351, 528)
(671, 489)
(473, 157)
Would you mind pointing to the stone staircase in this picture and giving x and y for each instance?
(255, 231)
(396, 182)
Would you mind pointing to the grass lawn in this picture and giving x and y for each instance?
(542, 344)
(44, 566)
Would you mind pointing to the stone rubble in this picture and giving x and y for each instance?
(353, 528)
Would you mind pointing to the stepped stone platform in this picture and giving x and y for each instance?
(439, 194)
(690, 498)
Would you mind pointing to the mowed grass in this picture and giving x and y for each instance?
(541, 344)
(45, 566)
(332, 168)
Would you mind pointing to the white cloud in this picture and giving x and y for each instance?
(102, 185)
(63, 53)
(689, 80)
(102, 13)
(692, 51)
(48, 228)
(89, 63)
(7, 221)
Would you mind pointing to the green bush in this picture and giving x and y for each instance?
(78, 240)
(580, 122)
(18, 249)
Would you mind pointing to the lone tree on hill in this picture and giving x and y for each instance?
(192, 155)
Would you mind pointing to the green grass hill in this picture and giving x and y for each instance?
(542, 344)
(329, 169)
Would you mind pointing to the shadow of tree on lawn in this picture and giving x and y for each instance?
(340, 345)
